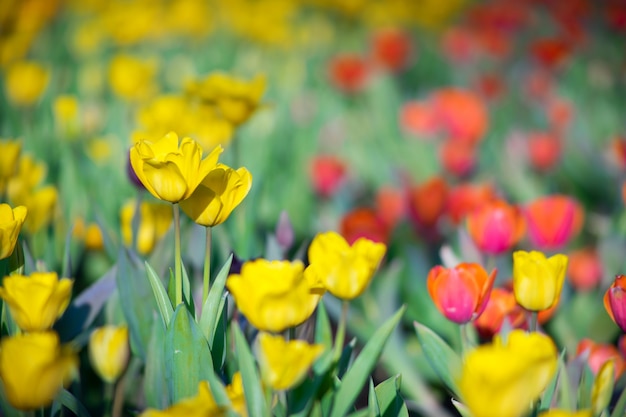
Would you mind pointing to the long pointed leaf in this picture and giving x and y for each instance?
(160, 296)
(255, 400)
(210, 309)
(389, 399)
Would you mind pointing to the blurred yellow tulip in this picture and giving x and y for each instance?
(273, 295)
(344, 270)
(154, 221)
(502, 379)
(9, 157)
(11, 221)
(131, 78)
(284, 364)
(235, 393)
(202, 405)
(602, 389)
(41, 205)
(36, 301)
(170, 170)
(217, 195)
(65, 109)
(34, 367)
(564, 413)
(109, 351)
(537, 280)
(25, 82)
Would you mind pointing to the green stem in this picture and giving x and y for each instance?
(178, 273)
(465, 341)
(206, 278)
(109, 389)
(118, 398)
(341, 330)
(532, 326)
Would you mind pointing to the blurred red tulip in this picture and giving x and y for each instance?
(552, 221)
(490, 86)
(464, 198)
(427, 201)
(461, 113)
(392, 49)
(544, 150)
(599, 353)
(327, 174)
(500, 306)
(349, 73)
(550, 52)
(584, 269)
(390, 205)
(363, 222)
(496, 227)
(560, 113)
(457, 157)
(418, 118)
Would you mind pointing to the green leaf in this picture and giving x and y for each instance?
(211, 308)
(346, 358)
(187, 297)
(65, 399)
(372, 401)
(218, 350)
(389, 398)
(567, 394)
(360, 413)
(362, 367)
(136, 299)
(253, 392)
(66, 270)
(323, 330)
(442, 358)
(160, 296)
(461, 408)
(187, 356)
(155, 382)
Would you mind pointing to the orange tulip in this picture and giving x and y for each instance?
(457, 157)
(553, 220)
(462, 113)
(585, 269)
(496, 227)
(500, 306)
(427, 201)
(363, 222)
(465, 198)
(460, 293)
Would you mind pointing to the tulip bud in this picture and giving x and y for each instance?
(11, 221)
(537, 280)
(109, 351)
(615, 302)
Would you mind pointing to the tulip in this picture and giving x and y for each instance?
(344, 270)
(537, 280)
(218, 194)
(154, 221)
(544, 151)
(602, 389)
(30, 173)
(390, 205)
(495, 227)
(500, 306)
(37, 301)
(553, 221)
(418, 119)
(202, 405)
(391, 48)
(585, 269)
(65, 110)
(273, 295)
(600, 353)
(349, 73)
(170, 170)
(615, 303)
(460, 293)
(427, 202)
(41, 205)
(132, 79)
(11, 221)
(458, 158)
(25, 82)
(564, 413)
(462, 114)
(9, 155)
(284, 364)
(464, 198)
(235, 393)
(109, 351)
(502, 379)
(363, 222)
(327, 174)
(34, 367)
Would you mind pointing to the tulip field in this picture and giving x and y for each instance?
(329, 208)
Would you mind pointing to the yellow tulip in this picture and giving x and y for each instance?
(202, 405)
(30, 173)
(235, 393)
(537, 280)
(34, 367)
(93, 237)
(217, 195)
(109, 351)
(41, 208)
(285, 364)
(169, 170)
(65, 109)
(344, 270)
(236, 99)
(9, 156)
(11, 221)
(36, 302)
(603, 385)
(273, 295)
(132, 79)
(154, 222)
(503, 379)
(24, 82)
(563, 413)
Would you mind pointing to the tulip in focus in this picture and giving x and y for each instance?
(344, 270)
(327, 173)
(615, 301)
(349, 73)
(537, 280)
(154, 221)
(274, 295)
(460, 293)
(218, 194)
(36, 301)
(25, 82)
(33, 369)
(585, 269)
(501, 305)
(109, 351)
(495, 227)
(170, 170)
(599, 354)
(285, 363)
(502, 379)
(553, 221)
(11, 221)
(363, 222)
(9, 156)
(202, 405)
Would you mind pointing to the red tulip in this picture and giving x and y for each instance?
(496, 227)
(553, 221)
